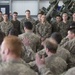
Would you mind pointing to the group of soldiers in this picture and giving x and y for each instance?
(30, 47)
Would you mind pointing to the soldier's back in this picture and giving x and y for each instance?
(15, 68)
(34, 40)
(56, 66)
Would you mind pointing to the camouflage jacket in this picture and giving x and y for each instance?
(25, 20)
(63, 28)
(33, 39)
(43, 30)
(5, 27)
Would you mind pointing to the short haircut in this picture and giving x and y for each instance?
(15, 12)
(27, 11)
(57, 37)
(14, 44)
(13, 31)
(72, 30)
(5, 14)
(52, 47)
(58, 16)
(28, 25)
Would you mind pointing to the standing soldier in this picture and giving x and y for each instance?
(1, 18)
(55, 25)
(27, 18)
(16, 23)
(5, 25)
(43, 29)
(39, 18)
(64, 25)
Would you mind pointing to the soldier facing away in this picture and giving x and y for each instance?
(34, 40)
(12, 63)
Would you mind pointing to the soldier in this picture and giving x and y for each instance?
(39, 18)
(71, 34)
(43, 29)
(27, 18)
(73, 17)
(70, 71)
(64, 25)
(61, 52)
(55, 25)
(1, 18)
(51, 60)
(34, 40)
(12, 63)
(16, 23)
(5, 25)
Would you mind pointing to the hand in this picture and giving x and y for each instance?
(39, 61)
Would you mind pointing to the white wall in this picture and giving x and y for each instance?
(21, 6)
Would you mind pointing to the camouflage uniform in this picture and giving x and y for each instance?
(1, 19)
(64, 40)
(25, 20)
(16, 25)
(57, 67)
(61, 52)
(5, 27)
(70, 45)
(33, 39)
(55, 27)
(37, 21)
(43, 30)
(19, 67)
(27, 54)
(70, 71)
(63, 28)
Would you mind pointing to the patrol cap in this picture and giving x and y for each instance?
(72, 26)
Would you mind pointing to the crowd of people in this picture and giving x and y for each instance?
(37, 47)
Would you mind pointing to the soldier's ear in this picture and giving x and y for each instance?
(7, 51)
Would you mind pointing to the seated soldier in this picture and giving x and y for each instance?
(71, 34)
(70, 45)
(61, 52)
(52, 61)
(12, 63)
(34, 40)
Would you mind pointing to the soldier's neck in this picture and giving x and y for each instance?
(12, 58)
(43, 22)
(50, 54)
(27, 17)
(65, 21)
(73, 19)
(5, 21)
(28, 31)
(14, 19)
